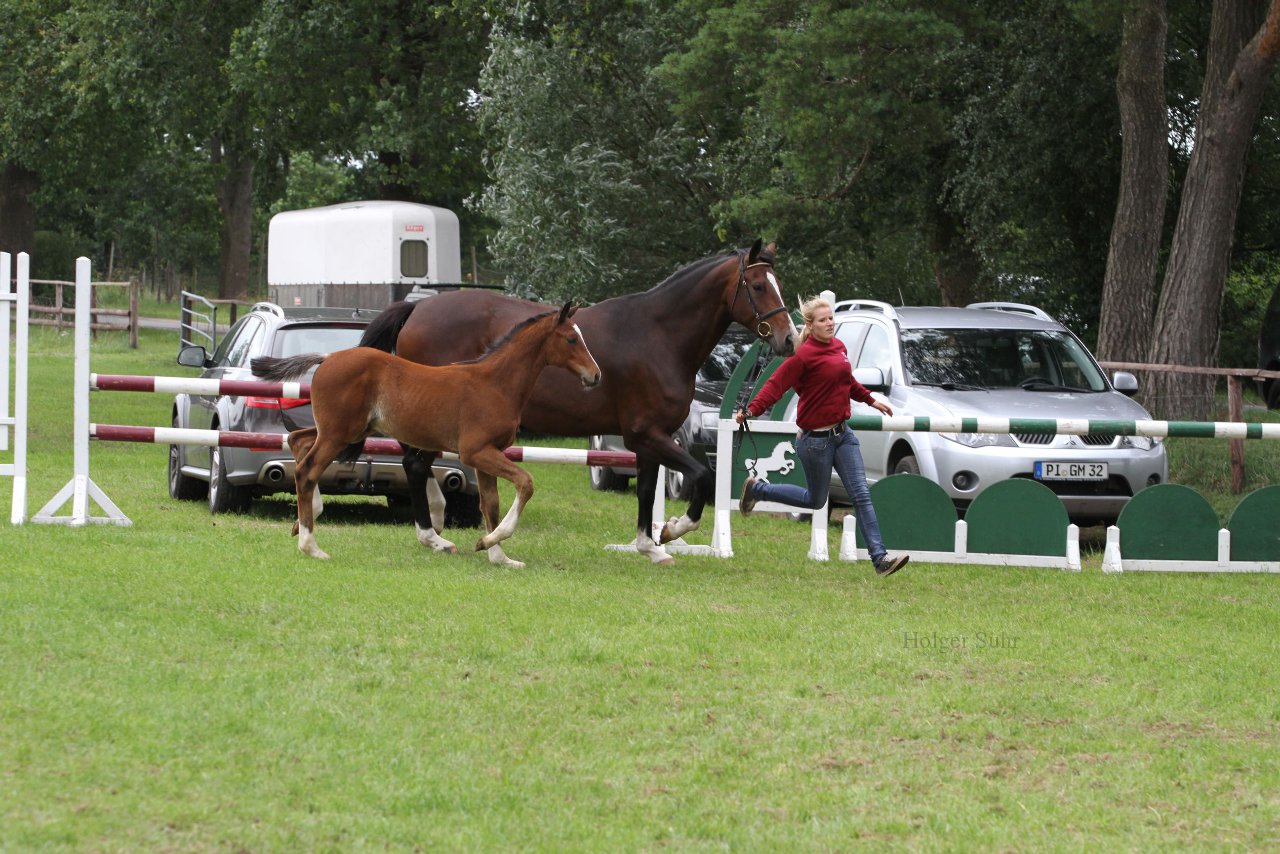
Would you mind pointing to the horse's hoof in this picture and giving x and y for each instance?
(480, 546)
(675, 528)
(294, 532)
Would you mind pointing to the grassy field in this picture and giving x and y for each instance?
(193, 683)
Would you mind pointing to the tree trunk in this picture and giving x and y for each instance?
(1129, 288)
(955, 263)
(1241, 57)
(17, 215)
(394, 187)
(235, 199)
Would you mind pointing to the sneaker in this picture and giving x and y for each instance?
(889, 565)
(747, 501)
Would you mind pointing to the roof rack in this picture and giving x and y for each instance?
(1014, 308)
(269, 307)
(866, 305)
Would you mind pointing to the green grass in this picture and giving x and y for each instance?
(193, 683)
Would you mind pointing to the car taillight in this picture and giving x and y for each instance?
(275, 402)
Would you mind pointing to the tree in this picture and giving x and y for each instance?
(598, 188)
(62, 126)
(1137, 232)
(390, 91)
(1244, 47)
(828, 127)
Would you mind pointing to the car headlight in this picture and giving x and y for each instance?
(1141, 443)
(981, 440)
(709, 421)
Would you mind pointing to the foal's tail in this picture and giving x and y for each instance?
(383, 330)
(278, 370)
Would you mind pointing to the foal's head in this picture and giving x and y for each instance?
(566, 348)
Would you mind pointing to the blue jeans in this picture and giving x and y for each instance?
(818, 456)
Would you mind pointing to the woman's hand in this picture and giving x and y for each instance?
(881, 406)
(740, 416)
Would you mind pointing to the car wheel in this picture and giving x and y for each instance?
(224, 497)
(678, 486)
(181, 486)
(602, 477)
(907, 465)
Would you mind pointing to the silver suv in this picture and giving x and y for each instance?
(1004, 360)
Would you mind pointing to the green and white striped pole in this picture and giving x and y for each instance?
(1067, 426)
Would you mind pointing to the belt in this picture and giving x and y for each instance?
(826, 434)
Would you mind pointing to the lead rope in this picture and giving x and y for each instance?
(754, 374)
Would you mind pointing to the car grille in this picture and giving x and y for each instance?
(1091, 439)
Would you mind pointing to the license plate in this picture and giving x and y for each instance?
(1071, 471)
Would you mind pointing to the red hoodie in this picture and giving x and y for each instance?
(823, 380)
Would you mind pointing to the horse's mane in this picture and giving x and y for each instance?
(511, 333)
(696, 270)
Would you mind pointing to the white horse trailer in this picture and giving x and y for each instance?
(361, 254)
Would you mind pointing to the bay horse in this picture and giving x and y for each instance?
(656, 339)
(472, 409)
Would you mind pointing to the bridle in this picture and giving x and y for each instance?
(763, 328)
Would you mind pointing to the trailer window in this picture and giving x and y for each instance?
(413, 259)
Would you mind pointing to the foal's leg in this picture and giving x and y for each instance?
(428, 519)
(492, 462)
(300, 443)
(306, 474)
(487, 485)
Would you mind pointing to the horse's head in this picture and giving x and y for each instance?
(756, 299)
(566, 348)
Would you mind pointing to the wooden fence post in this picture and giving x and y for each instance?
(1235, 412)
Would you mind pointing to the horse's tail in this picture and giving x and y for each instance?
(383, 330)
(351, 453)
(274, 369)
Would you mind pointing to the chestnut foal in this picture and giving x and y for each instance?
(471, 408)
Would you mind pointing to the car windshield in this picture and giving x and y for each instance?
(724, 357)
(1034, 360)
(295, 340)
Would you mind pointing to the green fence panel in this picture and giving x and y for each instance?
(1255, 526)
(1168, 521)
(1017, 517)
(733, 389)
(914, 513)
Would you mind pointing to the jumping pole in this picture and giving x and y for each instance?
(17, 419)
(81, 489)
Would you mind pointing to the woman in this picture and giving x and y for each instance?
(820, 373)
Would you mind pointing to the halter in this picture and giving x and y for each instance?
(762, 322)
(763, 328)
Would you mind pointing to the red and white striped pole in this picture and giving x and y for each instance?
(372, 445)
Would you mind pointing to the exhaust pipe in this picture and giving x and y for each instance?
(452, 482)
(275, 473)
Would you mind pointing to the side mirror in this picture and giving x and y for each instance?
(193, 356)
(1125, 383)
(872, 378)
